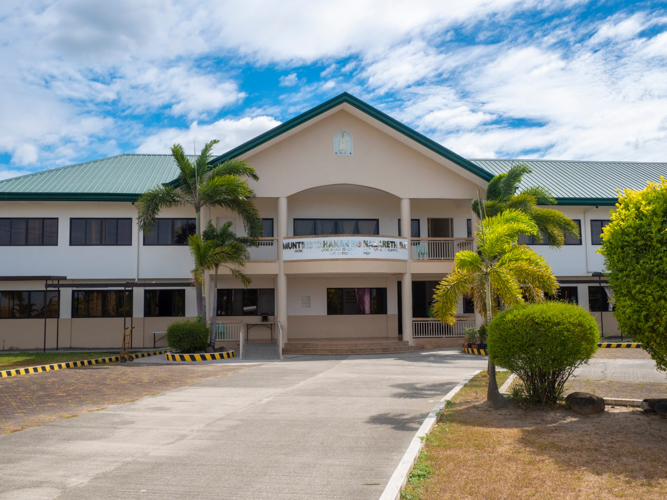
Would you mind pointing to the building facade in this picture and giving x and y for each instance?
(362, 217)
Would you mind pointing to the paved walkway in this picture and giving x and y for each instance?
(305, 428)
(621, 370)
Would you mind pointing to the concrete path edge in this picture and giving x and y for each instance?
(400, 476)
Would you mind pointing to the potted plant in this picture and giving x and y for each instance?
(470, 334)
(481, 335)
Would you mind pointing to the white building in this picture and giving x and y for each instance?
(362, 217)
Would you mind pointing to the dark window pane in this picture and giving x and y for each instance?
(77, 232)
(267, 228)
(150, 303)
(468, 228)
(237, 302)
(50, 231)
(21, 305)
(94, 301)
(93, 231)
(183, 229)
(5, 231)
(543, 241)
(571, 240)
(178, 303)
(304, 227)
(468, 305)
(79, 309)
(414, 228)
(36, 308)
(597, 299)
(325, 226)
(6, 304)
(150, 238)
(52, 304)
(224, 303)
(35, 233)
(110, 227)
(370, 227)
(596, 231)
(349, 301)
(124, 232)
(378, 301)
(250, 302)
(165, 235)
(19, 231)
(266, 301)
(524, 239)
(346, 227)
(334, 301)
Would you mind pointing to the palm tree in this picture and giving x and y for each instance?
(200, 186)
(502, 195)
(233, 254)
(500, 273)
(206, 256)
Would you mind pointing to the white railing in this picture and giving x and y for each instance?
(438, 248)
(229, 331)
(266, 250)
(427, 327)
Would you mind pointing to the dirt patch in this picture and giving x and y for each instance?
(611, 389)
(36, 399)
(522, 452)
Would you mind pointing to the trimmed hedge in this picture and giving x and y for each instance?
(188, 336)
(543, 343)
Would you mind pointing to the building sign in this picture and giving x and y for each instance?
(345, 247)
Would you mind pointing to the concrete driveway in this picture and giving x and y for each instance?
(305, 428)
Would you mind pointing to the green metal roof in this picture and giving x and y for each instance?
(582, 182)
(118, 178)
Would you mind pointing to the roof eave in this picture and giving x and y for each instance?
(588, 201)
(122, 197)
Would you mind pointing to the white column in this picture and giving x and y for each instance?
(479, 320)
(406, 279)
(281, 281)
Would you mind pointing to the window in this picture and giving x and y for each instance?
(164, 303)
(567, 294)
(28, 232)
(30, 304)
(356, 301)
(170, 232)
(468, 305)
(422, 297)
(596, 231)
(571, 240)
(414, 228)
(468, 228)
(101, 304)
(267, 226)
(316, 227)
(599, 299)
(246, 302)
(100, 232)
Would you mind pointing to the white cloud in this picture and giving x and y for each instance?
(289, 81)
(230, 133)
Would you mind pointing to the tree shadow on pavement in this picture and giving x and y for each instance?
(398, 421)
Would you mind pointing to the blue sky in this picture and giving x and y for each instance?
(560, 79)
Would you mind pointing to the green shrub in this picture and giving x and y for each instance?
(483, 333)
(188, 336)
(471, 335)
(543, 344)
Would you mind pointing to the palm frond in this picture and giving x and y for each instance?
(554, 224)
(505, 286)
(448, 293)
(187, 173)
(234, 166)
(511, 182)
(541, 194)
(202, 161)
(153, 201)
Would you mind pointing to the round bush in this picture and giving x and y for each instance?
(188, 336)
(543, 344)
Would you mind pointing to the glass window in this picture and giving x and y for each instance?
(468, 305)
(598, 299)
(170, 232)
(468, 228)
(571, 240)
(101, 304)
(162, 303)
(267, 228)
(95, 232)
(31, 232)
(356, 301)
(327, 227)
(567, 294)
(28, 304)
(246, 302)
(422, 298)
(596, 231)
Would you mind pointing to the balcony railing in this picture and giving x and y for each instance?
(438, 248)
(267, 250)
(433, 328)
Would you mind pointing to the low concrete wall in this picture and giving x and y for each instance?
(439, 343)
(383, 326)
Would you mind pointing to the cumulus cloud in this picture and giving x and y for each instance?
(289, 80)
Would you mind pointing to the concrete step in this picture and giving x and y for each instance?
(344, 345)
(263, 351)
(353, 350)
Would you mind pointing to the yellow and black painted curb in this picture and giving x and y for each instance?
(72, 364)
(199, 357)
(626, 345)
(479, 352)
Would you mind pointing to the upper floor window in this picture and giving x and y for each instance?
(343, 144)
(100, 231)
(170, 232)
(267, 228)
(468, 228)
(28, 232)
(164, 303)
(414, 228)
(316, 227)
(569, 240)
(596, 230)
(22, 304)
(101, 304)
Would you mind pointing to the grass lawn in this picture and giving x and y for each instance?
(9, 361)
(521, 452)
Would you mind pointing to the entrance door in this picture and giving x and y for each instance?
(440, 228)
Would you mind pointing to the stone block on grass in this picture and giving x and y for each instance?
(584, 403)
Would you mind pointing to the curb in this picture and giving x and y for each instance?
(400, 476)
(627, 345)
(199, 357)
(479, 352)
(72, 364)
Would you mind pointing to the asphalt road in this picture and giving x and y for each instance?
(304, 428)
(621, 370)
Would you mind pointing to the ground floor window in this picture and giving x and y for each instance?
(246, 302)
(356, 301)
(599, 299)
(101, 304)
(29, 304)
(422, 298)
(160, 303)
(567, 294)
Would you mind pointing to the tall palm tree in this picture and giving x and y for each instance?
(199, 186)
(503, 194)
(501, 272)
(206, 256)
(233, 254)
